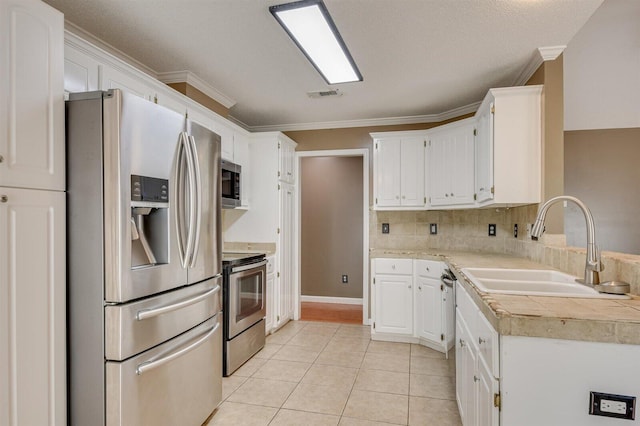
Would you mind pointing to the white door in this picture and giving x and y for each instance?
(429, 309)
(462, 166)
(488, 413)
(412, 172)
(32, 307)
(484, 154)
(393, 304)
(31, 95)
(387, 163)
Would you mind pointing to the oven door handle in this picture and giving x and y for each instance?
(150, 365)
(247, 267)
(154, 312)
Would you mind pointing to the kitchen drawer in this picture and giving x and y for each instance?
(429, 268)
(164, 386)
(394, 266)
(487, 339)
(137, 326)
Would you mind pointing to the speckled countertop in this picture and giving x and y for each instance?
(571, 318)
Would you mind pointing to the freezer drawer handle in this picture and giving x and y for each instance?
(150, 365)
(154, 312)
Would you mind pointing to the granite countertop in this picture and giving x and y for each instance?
(570, 318)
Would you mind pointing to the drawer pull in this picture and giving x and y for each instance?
(4, 198)
(150, 365)
(153, 312)
(476, 379)
(481, 340)
(462, 343)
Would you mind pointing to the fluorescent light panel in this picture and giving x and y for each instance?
(310, 26)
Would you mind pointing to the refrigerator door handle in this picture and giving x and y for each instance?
(192, 191)
(180, 201)
(151, 364)
(198, 202)
(154, 312)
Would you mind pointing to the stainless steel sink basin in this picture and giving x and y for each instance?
(534, 282)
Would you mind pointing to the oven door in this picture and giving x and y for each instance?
(247, 294)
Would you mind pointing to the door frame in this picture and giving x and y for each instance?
(364, 154)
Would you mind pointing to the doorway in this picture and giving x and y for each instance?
(333, 235)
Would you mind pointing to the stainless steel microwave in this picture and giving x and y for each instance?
(230, 184)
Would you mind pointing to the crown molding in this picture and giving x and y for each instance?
(86, 37)
(373, 122)
(541, 55)
(195, 81)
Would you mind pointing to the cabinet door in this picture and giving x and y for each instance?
(81, 71)
(488, 413)
(32, 307)
(31, 95)
(116, 79)
(429, 309)
(484, 154)
(270, 303)
(393, 304)
(226, 135)
(412, 172)
(286, 254)
(171, 101)
(439, 172)
(286, 153)
(387, 173)
(461, 166)
(466, 378)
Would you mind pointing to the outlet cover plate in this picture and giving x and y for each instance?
(385, 228)
(610, 405)
(433, 228)
(492, 229)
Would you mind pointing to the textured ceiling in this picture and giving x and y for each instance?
(418, 57)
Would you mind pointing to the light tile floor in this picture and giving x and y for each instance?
(312, 373)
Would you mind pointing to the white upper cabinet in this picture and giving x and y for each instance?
(508, 147)
(81, 72)
(450, 159)
(31, 95)
(399, 170)
(287, 149)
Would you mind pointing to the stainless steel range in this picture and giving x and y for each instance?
(244, 307)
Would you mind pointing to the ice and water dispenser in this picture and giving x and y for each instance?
(149, 221)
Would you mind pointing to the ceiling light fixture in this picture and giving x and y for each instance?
(310, 26)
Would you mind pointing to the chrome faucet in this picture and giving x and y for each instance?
(592, 266)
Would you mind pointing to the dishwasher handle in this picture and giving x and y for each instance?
(448, 278)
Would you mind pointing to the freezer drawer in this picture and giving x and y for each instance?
(135, 327)
(177, 383)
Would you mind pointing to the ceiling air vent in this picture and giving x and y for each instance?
(324, 93)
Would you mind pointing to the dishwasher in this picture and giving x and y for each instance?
(448, 280)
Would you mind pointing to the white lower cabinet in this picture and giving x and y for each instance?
(271, 260)
(410, 304)
(32, 307)
(477, 364)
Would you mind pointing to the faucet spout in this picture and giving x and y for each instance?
(592, 265)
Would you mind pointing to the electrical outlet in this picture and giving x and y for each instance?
(345, 279)
(433, 228)
(385, 228)
(515, 230)
(609, 405)
(492, 229)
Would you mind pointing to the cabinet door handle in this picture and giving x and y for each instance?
(4, 198)
(1, 158)
(419, 287)
(481, 189)
(476, 379)
(409, 285)
(481, 340)
(462, 343)
(446, 195)
(403, 197)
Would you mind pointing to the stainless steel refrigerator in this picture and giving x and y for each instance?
(144, 257)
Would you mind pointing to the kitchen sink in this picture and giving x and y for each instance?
(533, 282)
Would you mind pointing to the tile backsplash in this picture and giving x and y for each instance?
(467, 230)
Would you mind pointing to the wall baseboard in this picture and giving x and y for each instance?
(325, 299)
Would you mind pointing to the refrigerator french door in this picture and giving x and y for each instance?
(144, 276)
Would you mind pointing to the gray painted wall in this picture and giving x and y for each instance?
(331, 224)
(602, 168)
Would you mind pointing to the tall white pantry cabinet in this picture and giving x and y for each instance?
(32, 215)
